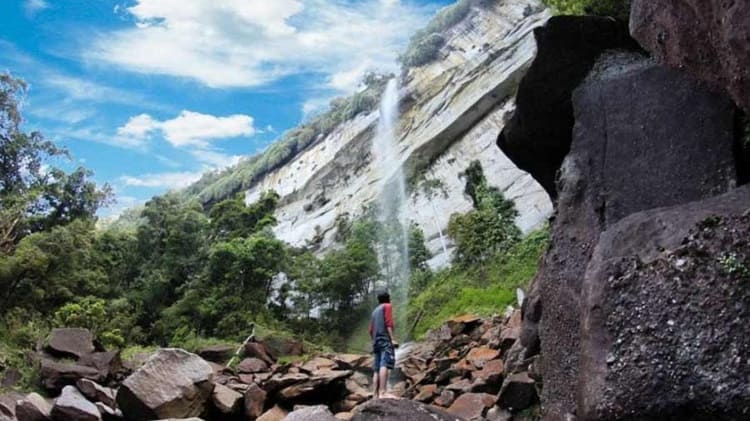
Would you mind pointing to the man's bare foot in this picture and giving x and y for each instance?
(389, 396)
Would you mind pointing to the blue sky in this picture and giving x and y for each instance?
(151, 93)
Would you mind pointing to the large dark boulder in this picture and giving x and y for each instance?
(173, 383)
(710, 39)
(56, 375)
(34, 408)
(311, 413)
(70, 342)
(400, 410)
(645, 137)
(665, 332)
(538, 136)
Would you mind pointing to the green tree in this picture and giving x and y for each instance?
(231, 218)
(487, 229)
(33, 195)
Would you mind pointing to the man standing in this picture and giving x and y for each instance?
(383, 344)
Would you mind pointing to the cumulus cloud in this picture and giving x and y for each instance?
(187, 129)
(170, 180)
(244, 43)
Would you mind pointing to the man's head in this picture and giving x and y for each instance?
(384, 297)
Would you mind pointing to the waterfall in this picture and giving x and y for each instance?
(394, 255)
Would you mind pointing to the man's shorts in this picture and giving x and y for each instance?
(384, 357)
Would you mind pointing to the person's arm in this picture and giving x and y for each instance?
(371, 329)
(390, 326)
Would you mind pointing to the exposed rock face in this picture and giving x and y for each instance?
(96, 393)
(568, 47)
(452, 111)
(70, 342)
(400, 410)
(72, 406)
(632, 117)
(173, 383)
(34, 408)
(665, 299)
(708, 38)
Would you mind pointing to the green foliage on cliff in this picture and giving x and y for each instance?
(487, 229)
(425, 44)
(485, 289)
(616, 8)
(217, 186)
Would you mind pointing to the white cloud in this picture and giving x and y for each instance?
(242, 43)
(187, 129)
(32, 7)
(170, 180)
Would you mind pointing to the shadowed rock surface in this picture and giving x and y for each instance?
(707, 38)
(666, 304)
(400, 410)
(632, 117)
(538, 136)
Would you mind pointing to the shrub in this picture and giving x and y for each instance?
(619, 9)
(425, 44)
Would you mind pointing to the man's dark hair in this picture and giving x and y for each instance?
(384, 297)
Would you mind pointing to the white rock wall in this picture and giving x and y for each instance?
(452, 112)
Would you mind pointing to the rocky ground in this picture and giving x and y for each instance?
(469, 369)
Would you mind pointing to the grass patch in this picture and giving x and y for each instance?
(619, 9)
(483, 289)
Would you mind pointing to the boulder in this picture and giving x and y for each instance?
(255, 401)
(491, 372)
(226, 400)
(252, 365)
(219, 354)
(56, 375)
(70, 342)
(352, 361)
(96, 393)
(626, 124)
(109, 413)
(259, 350)
(283, 346)
(34, 408)
(538, 136)
(172, 383)
(276, 413)
(107, 363)
(445, 399)
(710, 39)
(311, 413)
(480, 356)
(518, 392)
(426, 393)
(8, 403)
(498, 414)
(313, 384)
(400, 410)
(472, 406)
(319, 364)
(73, 406)
(664, 327)
(463, 324)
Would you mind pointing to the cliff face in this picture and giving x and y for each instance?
(452, 110)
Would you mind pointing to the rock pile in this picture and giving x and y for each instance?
(474, 368)
(176, 384)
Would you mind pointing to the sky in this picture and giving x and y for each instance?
(149, 94)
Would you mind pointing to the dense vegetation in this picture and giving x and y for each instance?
(424, 46)
(616, 8)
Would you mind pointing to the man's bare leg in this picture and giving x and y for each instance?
(375, 388)
(383, 381)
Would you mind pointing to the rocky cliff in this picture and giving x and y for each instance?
(452, 110)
